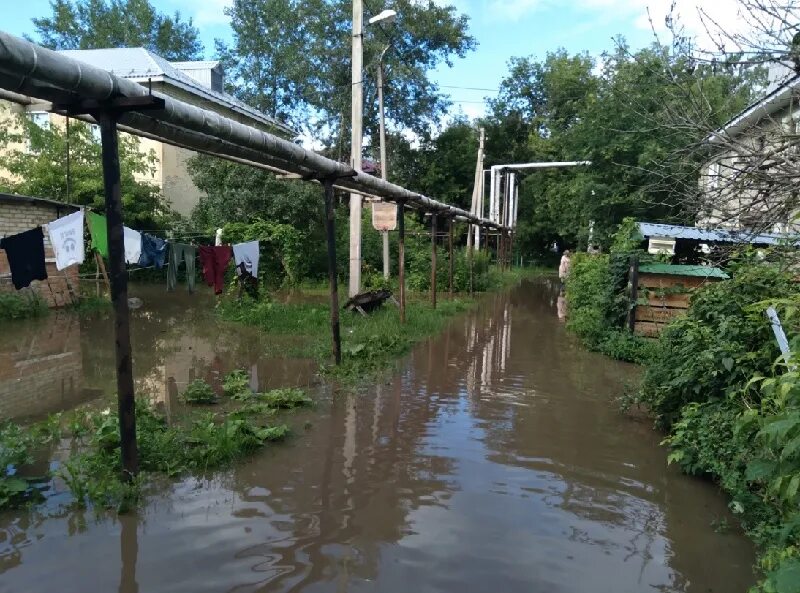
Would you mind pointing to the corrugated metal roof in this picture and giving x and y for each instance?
(683, 270)
(652, 229)
(139, 64)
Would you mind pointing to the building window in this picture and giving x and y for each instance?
(713, 175)
(40, 118)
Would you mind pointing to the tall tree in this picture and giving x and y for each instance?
(92, 24)
(291, 59)
(627, 117)
(34, 162)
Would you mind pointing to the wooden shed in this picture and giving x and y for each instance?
(666, 288)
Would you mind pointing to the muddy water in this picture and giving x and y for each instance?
(63, 360)
(492, 461)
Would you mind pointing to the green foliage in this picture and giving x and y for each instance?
(598, 303)
(236, 385)
(38, 169)
(621, 116)
(280, 244)
(96, 24)
(732, 412)
(305, 76)
(14, 305)
(202, 442)
(17, 449)
(199, 392)
(720, 344)
(287, 398)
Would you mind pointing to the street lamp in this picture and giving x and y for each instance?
(387, 16)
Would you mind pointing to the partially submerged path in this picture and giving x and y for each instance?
(494, 459)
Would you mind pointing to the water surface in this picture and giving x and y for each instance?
(494, 459)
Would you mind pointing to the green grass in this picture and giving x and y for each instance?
(23, 305)
(369, 343)
(192, 443)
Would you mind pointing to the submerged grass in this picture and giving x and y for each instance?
(369, 343)
(193, 444)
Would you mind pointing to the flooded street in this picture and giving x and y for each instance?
(494, 459)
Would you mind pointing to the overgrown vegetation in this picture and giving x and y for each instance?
(731, 411)
(25, 305)
(368, 343)
(598, 300)
(196, 442)
(198, 392)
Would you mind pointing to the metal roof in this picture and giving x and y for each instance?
(652, 229)
(18, 199)
(683, 270)
(773, 102)
(140, 65)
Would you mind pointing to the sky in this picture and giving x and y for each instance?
(502, 28)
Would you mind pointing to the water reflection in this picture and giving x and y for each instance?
(41, 367)
(63, 360)
(493, 460)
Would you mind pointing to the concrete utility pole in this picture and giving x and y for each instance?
(355, 145)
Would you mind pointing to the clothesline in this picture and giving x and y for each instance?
(26, 255)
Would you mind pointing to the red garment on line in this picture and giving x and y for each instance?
(214, 261)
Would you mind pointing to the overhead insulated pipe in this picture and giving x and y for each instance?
(28, 69)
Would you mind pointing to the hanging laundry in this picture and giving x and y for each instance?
(214, 261)
(247, 254)
(154, 251)
(218, 238)
(98, 229)
(133, 245)
(180, 252)
(66, 238)
(25, 253)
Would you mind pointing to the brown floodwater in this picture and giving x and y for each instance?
(494, 459)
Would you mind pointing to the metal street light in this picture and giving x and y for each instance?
(387, 16)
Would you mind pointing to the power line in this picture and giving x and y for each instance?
(469, 88)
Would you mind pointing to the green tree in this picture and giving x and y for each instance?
(33, 162)
(627, 117)
(442, 167)
(93, 24)
(291, 59)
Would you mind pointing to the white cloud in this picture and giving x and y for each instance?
(207, 12)
(699, 17)
(513, 9)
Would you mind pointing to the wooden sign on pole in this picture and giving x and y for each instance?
(384, 216)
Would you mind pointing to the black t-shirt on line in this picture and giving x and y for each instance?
(25, 252)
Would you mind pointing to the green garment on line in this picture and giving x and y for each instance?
(98, 229)
(180, 252)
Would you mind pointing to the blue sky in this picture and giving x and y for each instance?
(503, 28)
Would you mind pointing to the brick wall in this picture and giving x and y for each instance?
(16, 216)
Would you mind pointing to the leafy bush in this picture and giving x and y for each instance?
(720, 344)
(22, 305)
(199, 392)
(598, 303)
(733, 414)
(236, 385)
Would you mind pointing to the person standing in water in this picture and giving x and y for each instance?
(564, 267)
